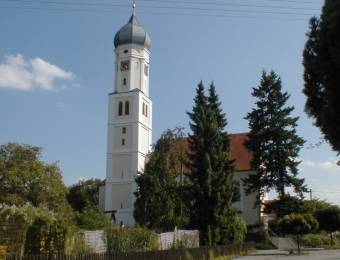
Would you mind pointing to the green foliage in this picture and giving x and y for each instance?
(273, 140)
(298, 224)
(91, 219)
(16, 221)
(315, 240)
(84, 194)
(312, 206)
(188, 256)
(289, 204)
(239, 230)
(286, 205)
(329, 219)
(158, 203)
(2, 252)
(211, 188)
(126, 239)
(322, 72)
(33, 199)
(27, 179)
(75, 243)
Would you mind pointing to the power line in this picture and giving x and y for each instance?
(152, 13)
(171, 8)
(218, 3)
(178, 7)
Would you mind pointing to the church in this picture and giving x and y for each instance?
(129, 136)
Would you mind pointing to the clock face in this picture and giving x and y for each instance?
(124, 65)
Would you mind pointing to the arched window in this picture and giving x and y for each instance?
(120, 108)
(127, 107)
(143, 110)
(123, 142)
(124, 81)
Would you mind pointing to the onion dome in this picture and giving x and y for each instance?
(132, 33)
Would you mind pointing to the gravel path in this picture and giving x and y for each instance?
(312, 255)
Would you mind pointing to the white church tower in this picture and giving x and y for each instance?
(130, 120)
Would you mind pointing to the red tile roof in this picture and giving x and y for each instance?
(238, 152)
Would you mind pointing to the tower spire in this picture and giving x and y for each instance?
(133, 7)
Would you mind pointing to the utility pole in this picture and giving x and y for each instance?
(310, 194)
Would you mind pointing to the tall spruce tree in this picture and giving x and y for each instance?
(273, 140)
(321, 60)
(211, 178)
(158, 203)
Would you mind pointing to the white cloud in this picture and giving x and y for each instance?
(18, 73)
(328, 165)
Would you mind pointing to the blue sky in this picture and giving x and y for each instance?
(56, 70)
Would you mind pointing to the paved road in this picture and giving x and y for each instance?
(315, 255)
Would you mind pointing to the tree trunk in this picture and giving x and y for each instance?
(332, 242)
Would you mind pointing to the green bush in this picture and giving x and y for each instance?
(91, 219)
(315, 240)
(125, 239)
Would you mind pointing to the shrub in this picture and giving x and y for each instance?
(125, 239)
(91, 219)
(298, 224)
(315, 240)
(329, 220)
(2, 252)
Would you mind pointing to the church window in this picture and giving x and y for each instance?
(124, 130)
(124, 65)
(143, 110)
(126, 51)
(120, 108)
(123, 142)
(127, 107)
(146, 70)
(124, 81)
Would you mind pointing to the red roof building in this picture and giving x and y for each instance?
(238, 152)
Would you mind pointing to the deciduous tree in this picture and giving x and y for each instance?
(158, 202)
(329, 220)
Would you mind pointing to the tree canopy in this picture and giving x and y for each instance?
(321, 60)
(84, 194)
(298, 224)
(329, 219)
(273, 140)
(211, 184)
(158, 198)
(25, 178)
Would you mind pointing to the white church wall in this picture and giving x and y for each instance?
(121, 198)
(122, 166)
(122, 140)
(246, 205)
(144, 139)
